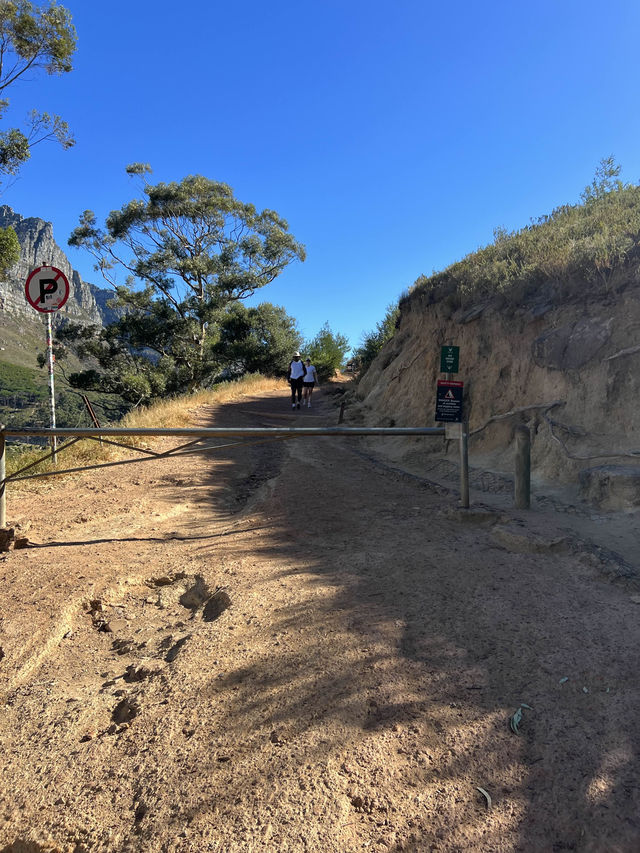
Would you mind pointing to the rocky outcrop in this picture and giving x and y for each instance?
(86, 303)
(570, 370)
(572, 346)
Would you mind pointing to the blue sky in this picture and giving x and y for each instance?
(393, 137)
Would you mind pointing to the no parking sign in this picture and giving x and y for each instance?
(47, 289)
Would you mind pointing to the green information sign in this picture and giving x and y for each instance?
(449, 359)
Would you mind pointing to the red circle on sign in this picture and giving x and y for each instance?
(47, 289)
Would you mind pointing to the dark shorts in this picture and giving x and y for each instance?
(308, 384)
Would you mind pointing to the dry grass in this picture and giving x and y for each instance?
(176, 412)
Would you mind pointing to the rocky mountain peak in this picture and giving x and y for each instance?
(86, 303)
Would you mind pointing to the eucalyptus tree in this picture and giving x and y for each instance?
(32, 38)
(188, 250)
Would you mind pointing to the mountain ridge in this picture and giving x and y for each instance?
(87, 303)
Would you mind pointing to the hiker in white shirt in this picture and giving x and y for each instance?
(310, 380)
(296, 373)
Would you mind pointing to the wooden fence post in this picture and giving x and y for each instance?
(464, 464)
(523, 468)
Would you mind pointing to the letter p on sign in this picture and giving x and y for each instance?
(47, 289)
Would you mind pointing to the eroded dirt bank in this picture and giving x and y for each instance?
(355, 694)
(566, 366)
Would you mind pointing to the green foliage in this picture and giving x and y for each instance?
(372, 342)
(121, 368)
(32, 37)
(590, 243)
(605, 180)
(9, 249)
(24, 400)
(15, 379)
(14, 150)
(327, 352)
(191, 251)
(256, 340)
(192, 242)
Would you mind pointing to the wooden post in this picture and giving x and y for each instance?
(464, 464)
(523, 468)
(3, 474)
(92, 414)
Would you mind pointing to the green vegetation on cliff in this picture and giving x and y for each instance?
(594, 243)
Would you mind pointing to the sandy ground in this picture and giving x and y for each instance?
(293, 647)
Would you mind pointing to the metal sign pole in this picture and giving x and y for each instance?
(52, 392)
(47, 290)
(3, 474)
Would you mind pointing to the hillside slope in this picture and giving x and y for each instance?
(566, 367)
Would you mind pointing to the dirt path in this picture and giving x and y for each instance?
(355, 694)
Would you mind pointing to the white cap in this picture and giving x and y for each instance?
(296, 353)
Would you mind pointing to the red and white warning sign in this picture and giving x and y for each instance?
(47, 289)
(449, 401)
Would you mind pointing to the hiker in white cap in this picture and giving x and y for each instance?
(296, 373)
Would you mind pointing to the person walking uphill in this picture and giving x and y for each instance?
(296, 373)
(310, 379)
